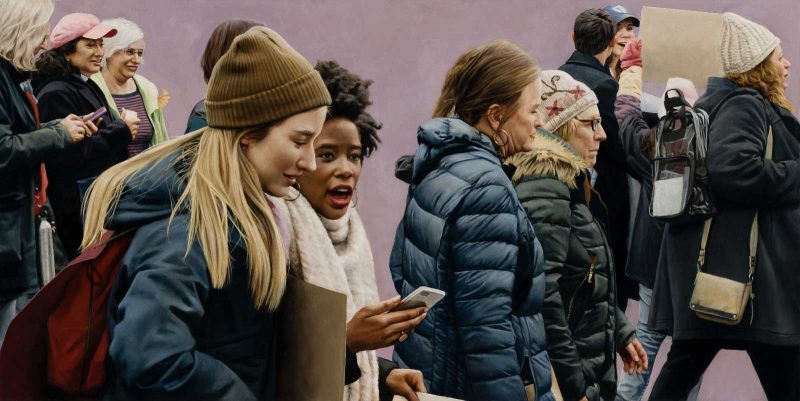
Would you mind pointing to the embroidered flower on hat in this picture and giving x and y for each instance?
(578, 92)
(554, 110)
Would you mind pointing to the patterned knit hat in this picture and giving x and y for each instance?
(563, 98)
(744, 44)
(261, 79)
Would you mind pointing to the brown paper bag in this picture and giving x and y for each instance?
(311, 343)
(680, 43)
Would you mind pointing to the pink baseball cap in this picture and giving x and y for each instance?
(78, 25)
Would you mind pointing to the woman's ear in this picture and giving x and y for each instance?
(495, 116)
(245, 142)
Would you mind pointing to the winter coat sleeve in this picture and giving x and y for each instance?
(481, 258)
(606, 95)
(551, 219)
(625, 332)
(152, 346)
(385, 367)
(57, 104)
(737, 168)
(20, 150)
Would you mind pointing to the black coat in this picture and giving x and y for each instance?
(612, 182)
(742, 182)
(584, 325)
(22, 149)
(59, 97)
(647, 231)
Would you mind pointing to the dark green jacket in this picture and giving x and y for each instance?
(22, 149)
(583, 324)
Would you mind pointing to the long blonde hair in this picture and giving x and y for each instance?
(766, 81)
(222, 189)
(23, 27)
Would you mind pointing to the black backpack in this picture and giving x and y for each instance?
(681, 192)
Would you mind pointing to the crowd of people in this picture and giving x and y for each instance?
(519, 209)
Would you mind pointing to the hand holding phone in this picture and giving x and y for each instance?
(421, 297)
(94, 116)
(377, 326)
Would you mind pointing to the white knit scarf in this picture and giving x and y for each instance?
(336, 255)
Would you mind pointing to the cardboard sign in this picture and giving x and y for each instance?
(680, 43)
(311, 343)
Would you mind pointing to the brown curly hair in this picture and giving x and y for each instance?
(766, 81)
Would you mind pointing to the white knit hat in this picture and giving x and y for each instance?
(563, 98)
(744, 44)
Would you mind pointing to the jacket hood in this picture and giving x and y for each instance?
(550, 156)
(150, 194)
(441, 137)
(717, 90)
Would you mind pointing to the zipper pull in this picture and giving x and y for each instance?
(591, 268)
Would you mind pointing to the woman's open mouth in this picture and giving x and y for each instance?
(340, 196)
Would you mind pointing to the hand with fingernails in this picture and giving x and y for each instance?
(407, 383)
(77, 128)
(634, 357)
(374, 326)
(131, 120)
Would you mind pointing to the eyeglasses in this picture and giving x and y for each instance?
(133, 52)
(594, 123)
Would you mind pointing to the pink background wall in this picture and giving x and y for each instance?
(406, 47)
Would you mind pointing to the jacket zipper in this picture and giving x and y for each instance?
(587, 278)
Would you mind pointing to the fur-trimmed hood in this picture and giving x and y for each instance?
(550, 156)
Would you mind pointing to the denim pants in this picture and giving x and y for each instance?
(632, 387)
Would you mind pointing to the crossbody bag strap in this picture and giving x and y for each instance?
(701, 257)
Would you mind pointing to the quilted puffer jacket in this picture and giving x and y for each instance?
(583, 323)
(465, 232)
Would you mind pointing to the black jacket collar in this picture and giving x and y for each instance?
(17, 76)
(588, 60)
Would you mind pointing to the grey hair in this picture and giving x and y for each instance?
(127, 33)
(23, 28)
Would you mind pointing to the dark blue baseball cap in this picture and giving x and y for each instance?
(619, 13)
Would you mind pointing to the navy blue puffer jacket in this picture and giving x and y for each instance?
(465, 232)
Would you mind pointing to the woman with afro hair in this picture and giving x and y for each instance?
(329, 247)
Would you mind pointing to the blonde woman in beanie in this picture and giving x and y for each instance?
(192, 314)
(585, 327)
(464, 232)
(124, 88)
(750, 118)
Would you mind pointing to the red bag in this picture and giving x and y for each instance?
(60, 338)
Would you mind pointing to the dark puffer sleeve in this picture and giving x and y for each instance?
(551, 217)
(152, 345)
(482, 243)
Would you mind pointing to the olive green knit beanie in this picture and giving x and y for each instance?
(261, 79)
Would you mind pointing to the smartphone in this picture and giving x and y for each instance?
(97, 114)
(421, 297)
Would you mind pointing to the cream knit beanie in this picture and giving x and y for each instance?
(563, 98)
(744, 44)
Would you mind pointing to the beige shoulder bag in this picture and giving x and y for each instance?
(719, 299)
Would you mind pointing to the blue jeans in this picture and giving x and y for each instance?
(632, 387)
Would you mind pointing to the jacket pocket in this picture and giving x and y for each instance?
(540, 371)
(11, 235)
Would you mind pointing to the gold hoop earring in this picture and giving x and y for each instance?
(355, 202)
(297, 187)
(502, 145)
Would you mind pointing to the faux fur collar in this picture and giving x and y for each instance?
(550, 156)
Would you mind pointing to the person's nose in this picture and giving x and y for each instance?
(308, 160)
